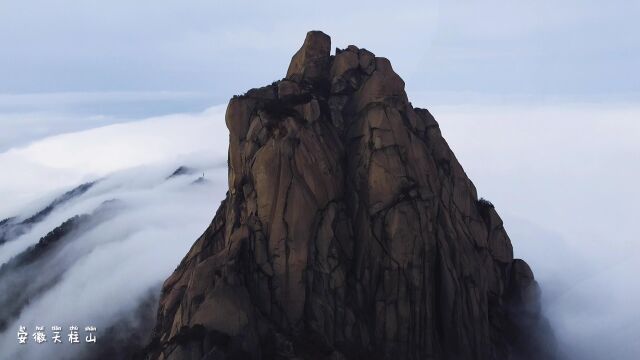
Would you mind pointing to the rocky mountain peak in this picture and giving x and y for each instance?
(349, 231)
(312, 60)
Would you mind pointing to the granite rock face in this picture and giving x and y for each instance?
(349, 231)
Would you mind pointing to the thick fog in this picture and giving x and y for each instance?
(562, 176)
(141, 222)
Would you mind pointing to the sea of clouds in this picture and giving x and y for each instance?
(104, 271)
(562, 176)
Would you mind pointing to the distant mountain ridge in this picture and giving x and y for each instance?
(48, 249)
(11, 228)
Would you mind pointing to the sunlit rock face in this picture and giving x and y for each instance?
(349, 231)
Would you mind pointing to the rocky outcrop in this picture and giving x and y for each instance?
(349, 231)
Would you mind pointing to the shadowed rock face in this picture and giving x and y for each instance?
(349, 231)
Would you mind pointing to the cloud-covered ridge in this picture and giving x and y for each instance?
(97, 255)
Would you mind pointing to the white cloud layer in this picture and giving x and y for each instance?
(49, 165)
(563, 177)
(110, 267)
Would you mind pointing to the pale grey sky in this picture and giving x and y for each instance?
(579, 49)
(72, 65)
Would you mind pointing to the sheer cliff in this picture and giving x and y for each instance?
(349, 231)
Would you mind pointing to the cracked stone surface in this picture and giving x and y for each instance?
(349, 231)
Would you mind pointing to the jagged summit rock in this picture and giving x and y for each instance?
(349, 231)
(312, 60)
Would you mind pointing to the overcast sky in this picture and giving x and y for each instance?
(71, 65)
(578, 49)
